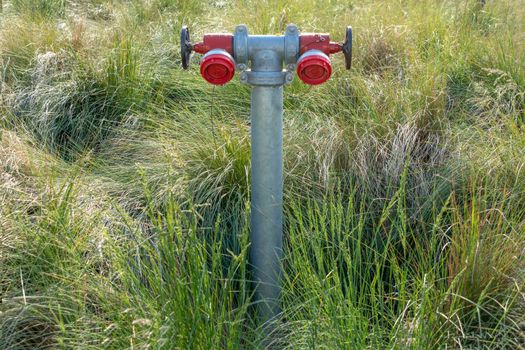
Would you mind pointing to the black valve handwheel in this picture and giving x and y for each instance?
(347, 48)
(185, 47)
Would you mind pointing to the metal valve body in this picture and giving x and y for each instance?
(287, 49)
(260, 60)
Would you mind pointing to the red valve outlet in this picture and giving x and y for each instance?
(314, 67)
(215, 41)
(217, 67)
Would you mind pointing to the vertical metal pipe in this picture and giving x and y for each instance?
(267, 196)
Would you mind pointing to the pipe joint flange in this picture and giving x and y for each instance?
(240, 46)
(264, 78)
(288, 79)
(291, 44)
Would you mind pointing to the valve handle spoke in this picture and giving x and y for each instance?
(347, 48)
(185, 47)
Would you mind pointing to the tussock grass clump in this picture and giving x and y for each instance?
(381, 54)
(486, 269)
(502, 97)
(73, 109)
(40, 8)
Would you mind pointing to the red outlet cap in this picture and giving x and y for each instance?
(217, 67)
(314, 68)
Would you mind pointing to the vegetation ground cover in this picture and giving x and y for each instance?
(124, 180)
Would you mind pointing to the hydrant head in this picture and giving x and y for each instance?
(314, 67)
(217, 67)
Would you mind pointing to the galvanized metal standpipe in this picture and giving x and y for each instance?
(267, 54)
(267, 195)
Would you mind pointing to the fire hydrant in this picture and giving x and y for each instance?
(260, 60)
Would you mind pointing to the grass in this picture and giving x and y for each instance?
(124, 180)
